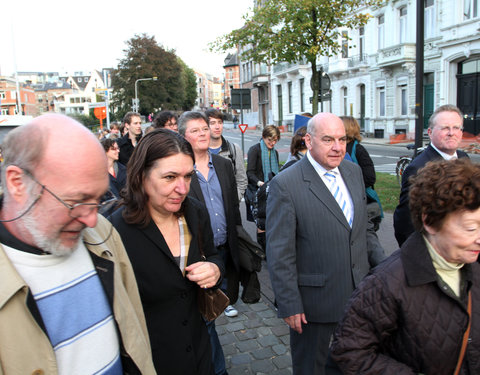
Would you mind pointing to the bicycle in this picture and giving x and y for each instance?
(405, 160)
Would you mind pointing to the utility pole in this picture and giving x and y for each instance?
(419, 76)
(136, 105)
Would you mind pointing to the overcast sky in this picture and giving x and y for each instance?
(64, 36)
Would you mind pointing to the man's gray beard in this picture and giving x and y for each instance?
(51, 246)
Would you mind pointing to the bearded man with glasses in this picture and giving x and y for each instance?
(69, 301)
(445, 129)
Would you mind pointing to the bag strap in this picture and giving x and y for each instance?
(354, 149)
(465, 336)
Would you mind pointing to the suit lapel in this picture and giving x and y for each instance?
(196, 190)
(321, 191)
(155, 236)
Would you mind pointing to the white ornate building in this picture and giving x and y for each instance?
(373, 78)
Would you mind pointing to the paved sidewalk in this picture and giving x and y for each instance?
(256, 341)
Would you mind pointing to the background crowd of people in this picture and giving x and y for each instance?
(170, 199)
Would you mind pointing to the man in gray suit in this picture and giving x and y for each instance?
(317, 252)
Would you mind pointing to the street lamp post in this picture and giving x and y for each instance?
(136, 105)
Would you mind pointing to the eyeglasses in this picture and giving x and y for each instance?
(197, 131)
(272, 139)
(76, 210)
(448, 129)
(173, 125)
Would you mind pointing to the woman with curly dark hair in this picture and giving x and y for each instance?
(419, 312)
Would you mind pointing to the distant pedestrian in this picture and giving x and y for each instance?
(133, 124)
(262, 166)
(229, 150)
(298, 148)
(117, 173)
(167, 120)
(445, 129)
(360, 156)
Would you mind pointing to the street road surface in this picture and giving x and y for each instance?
(384, 156)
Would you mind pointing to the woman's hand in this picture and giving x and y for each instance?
(205, 274)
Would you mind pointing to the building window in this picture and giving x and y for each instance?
(289, 97)
(280, 103)
(429, 22)
(361, 42)
(403, 24)
(381, 31)
(470, 9)
(345, 101)
(344, 44)
(2, 95)
(381, 101)
(404, 99)
(302, 95)
(402, 95)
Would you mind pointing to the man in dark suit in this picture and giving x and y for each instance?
(445, 129)
(317, 252)
(214, 185)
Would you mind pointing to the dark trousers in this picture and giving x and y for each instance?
(218, 359)
(310, 348)
(231, 279)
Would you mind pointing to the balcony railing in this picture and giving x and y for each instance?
(358, 60)
(396, 55)
(282, 67)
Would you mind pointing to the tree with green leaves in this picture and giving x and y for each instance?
(190, 83)
(291, 30)
(145, 58)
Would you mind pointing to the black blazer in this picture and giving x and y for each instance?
(255, 167)
(178, 335)
(118, 183)
(224, 171)
(402, 221)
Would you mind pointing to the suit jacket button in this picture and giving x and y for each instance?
(183, 295)
(189, 348)
(185, 322)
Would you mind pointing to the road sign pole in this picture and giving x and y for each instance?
(241, 116)
(242, 128)
(108, 110)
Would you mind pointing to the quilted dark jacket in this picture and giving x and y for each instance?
(403, 319)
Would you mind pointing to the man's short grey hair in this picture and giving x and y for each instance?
(443, 108)
(188, 116)
(23, 147)
(311, 127)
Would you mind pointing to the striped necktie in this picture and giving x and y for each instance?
(339, 196)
